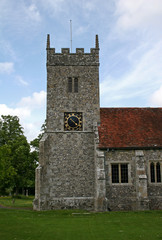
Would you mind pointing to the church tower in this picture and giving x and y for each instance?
(66, 175)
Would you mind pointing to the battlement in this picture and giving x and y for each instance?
(65, 58)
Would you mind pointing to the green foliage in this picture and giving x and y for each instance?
(17, 162)
(35, 142)
(7, 171)
(10, 129)
(75, 225)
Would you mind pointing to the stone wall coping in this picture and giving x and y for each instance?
(121, 184)
(71, 198)
(118, 161)
(143, 176)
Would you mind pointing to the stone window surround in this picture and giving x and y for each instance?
(73, 84)
(149, 174)
(110, 171)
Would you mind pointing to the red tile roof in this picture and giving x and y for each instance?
(130, 127)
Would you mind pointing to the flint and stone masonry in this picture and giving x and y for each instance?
(66, 176)
(75, 167)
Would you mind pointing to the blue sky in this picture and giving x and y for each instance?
(130, 37)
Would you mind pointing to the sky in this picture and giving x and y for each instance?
(130, 38)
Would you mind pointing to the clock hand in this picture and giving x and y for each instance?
(73, 122)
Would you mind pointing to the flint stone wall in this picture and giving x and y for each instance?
(66, 175)
(67, 171)
(65, 58)
(59, 100)
(139, 193)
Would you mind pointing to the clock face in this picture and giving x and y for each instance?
(73, 121)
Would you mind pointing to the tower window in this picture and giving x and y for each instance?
(69, 84)
(73, 84)
(119, 173)
(155, 172)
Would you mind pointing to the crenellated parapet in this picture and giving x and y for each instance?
(79, 58)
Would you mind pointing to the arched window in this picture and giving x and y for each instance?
(155, 172)
(69, 84)
(158, 172)
(152, 172)
(75, 84)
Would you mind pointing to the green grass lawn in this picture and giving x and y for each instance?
(20, 224)
(21, 202)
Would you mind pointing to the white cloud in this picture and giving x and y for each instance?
(32, 129)
(30, 119)
(138, 14)
(144, 77)
(81, 30)
(33, 13)
(22, 113)
(19, 16)
(6, 67)
(89, 5)
(136, 32)
(37, 100)
(8, 49)
(21, 81)
(55, 6)
(77, 10)
(156, 98)
(58, 6)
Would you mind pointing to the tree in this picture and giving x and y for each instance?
(17, 162)
(23, 163)
(35, 143)
(10, 129)
(7, 171)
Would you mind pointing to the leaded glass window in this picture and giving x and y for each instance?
(119, 173)
(158, 172)
(152, 172)
(115, 173)
(69, 84)
(155, 172)
(75, 84)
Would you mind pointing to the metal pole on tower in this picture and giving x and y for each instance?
(71, 34)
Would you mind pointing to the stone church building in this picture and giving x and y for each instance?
(90, 157)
